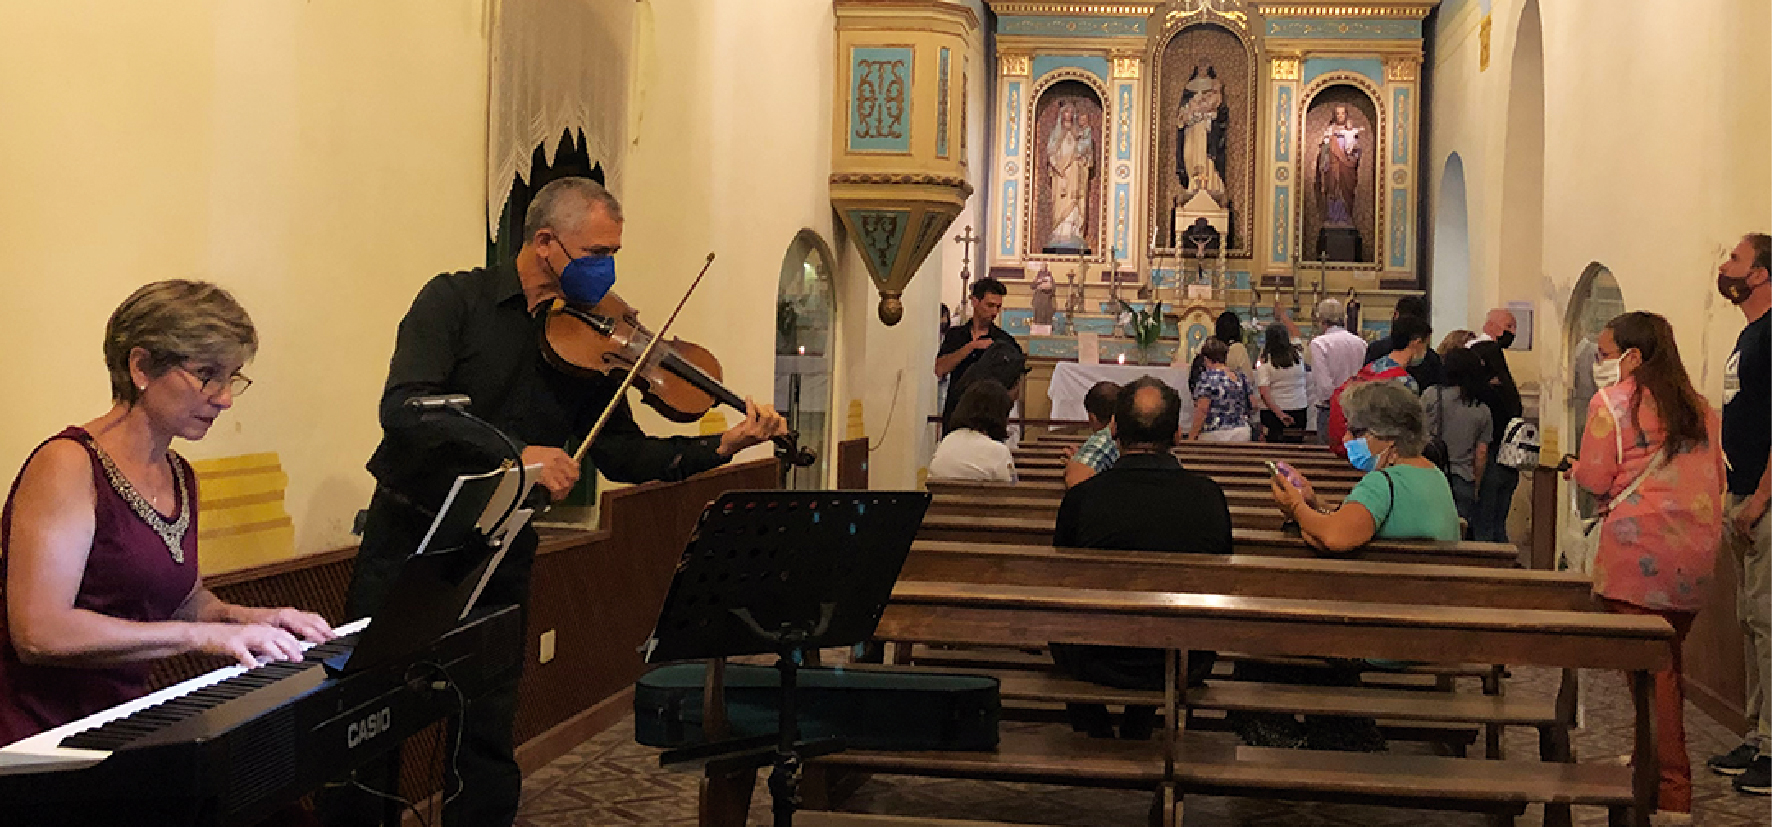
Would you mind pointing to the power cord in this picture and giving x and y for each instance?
(897, 385)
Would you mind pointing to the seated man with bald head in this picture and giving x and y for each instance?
(1145, 502)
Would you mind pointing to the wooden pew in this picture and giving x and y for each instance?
(1020, 616)
(1026, 531)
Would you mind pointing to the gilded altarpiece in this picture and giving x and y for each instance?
(1230, 98)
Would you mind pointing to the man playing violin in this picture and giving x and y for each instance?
(474, 333)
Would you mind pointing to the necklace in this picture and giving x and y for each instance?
(172, 532)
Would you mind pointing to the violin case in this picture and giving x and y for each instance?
(870, 709)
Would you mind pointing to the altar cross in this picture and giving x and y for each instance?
(967, 239)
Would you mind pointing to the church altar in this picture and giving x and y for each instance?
(1071, 381)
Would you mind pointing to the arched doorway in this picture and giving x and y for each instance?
(805, 317)
(1452, 250)
(1595, 301)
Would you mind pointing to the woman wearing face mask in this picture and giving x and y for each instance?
(1652, 453)
(1403, 494)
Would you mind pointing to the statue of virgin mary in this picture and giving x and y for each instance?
(1070, 151)
(1200, 132)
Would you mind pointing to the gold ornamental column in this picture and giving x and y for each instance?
(896, 158)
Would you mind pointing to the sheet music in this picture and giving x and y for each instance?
(42, 753)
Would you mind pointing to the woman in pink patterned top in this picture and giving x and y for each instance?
(1652, 453)
(99, 534)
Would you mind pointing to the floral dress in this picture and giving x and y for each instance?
(1657, 548)
(1229, 407)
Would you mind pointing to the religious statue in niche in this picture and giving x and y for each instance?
(1338, 216)
(1201, 127)
(1045, 297)
(1338, 169)
(1201, 161)
(1070, 163)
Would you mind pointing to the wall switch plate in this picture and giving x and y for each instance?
(547, 646)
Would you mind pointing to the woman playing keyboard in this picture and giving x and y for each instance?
(98, 542)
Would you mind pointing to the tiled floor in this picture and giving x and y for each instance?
(610, 781)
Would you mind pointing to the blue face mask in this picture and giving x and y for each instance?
(1359, 454)
(587, 280)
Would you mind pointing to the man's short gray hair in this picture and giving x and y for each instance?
(1329, 312)
(1388, 410)
(562, 203)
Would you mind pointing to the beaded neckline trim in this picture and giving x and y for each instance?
(172, 532)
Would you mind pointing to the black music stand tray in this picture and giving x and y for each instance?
(776, 572)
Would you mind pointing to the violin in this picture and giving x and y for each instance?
(680, 380)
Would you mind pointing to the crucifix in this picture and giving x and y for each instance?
(967, 239)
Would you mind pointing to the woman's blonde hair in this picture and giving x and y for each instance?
(175, 321)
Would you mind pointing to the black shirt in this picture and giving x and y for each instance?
(956, 338)
(1429, 373)
(1747, 406)
(1502, 396)
(1146, 502)
(471, 333)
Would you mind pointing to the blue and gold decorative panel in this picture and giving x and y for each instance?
(1122, 217)
(1011, 204)
(941, 105)
(880, 99)
(1316, 67)
(1282, 230)
(1097, 66)
(1012, 120)
(1399, 227)
(1283, 124)
(1123, 123)
(879, 234)
(1070, 26)
(1342, 29)
(1400, 126)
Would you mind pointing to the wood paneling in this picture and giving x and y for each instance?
(852, 464)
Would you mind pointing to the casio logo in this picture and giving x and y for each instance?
(376, 724)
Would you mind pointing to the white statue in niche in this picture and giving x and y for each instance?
(1070, 150)
(1200, 136)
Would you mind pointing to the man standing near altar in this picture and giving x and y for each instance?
(965, 345)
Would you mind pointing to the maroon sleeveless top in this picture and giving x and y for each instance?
(130, 574)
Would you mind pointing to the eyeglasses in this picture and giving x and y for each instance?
(214, 382)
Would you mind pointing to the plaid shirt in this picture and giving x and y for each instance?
(1099, 451)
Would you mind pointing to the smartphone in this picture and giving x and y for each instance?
(1281, 469)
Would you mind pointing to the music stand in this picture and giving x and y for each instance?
(776, 572)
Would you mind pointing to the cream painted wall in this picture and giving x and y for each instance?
(1658, 153)
(731, 112)
(321, 159)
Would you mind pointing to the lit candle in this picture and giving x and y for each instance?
(802, 350)
(1122, 358)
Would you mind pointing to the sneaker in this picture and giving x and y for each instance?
(1757, 780)
(1735, 761)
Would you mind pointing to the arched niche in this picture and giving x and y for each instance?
(1451, 273)
(1067, 117)
(1522, 183)
(805, 342)
(1182, 57)
(1324, 102)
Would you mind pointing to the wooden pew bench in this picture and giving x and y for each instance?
(1021, 616)
(1034, 531)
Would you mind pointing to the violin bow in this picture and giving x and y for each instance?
(627, 381)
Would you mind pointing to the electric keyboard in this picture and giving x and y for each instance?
(235, 744)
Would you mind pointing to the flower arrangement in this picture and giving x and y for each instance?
(1146, 325)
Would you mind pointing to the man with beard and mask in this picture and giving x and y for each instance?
(1496, 496)
(474, 333)
(1747, 535)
